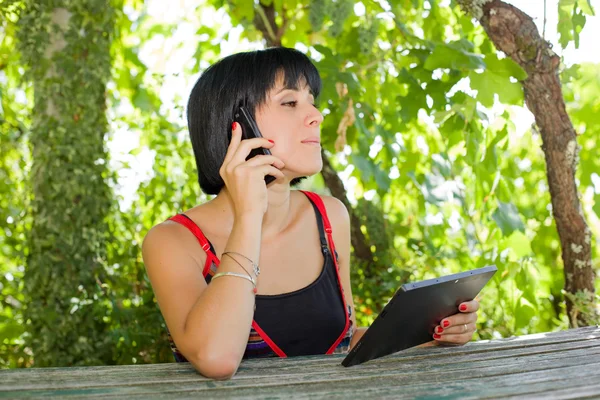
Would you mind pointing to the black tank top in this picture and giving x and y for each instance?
(308, 321)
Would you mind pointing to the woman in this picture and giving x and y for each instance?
(252, 272)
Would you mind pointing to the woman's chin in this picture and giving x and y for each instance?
(308, 171)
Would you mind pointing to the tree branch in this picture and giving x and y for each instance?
(267, 28)
(514, 32)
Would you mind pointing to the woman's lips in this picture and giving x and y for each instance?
(312, 141)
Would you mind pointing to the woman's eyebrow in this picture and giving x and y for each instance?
(286, 88)
(293, 89)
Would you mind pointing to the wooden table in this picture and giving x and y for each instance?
(555, 365)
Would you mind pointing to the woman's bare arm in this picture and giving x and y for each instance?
(209, 323)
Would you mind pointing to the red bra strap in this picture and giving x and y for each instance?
(321, 207)
(197, 232)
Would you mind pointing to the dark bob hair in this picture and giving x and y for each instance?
(239, 79)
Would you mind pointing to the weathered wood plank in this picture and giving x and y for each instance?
(79, 377)
(469, 387)
(527, 341)
(253, 368)
(406, 375)
(551, 365)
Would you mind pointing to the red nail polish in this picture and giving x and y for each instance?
(463, 307)
(234, 126)
(436, 336)
(446, 324)
(440, 329)
(271, 141)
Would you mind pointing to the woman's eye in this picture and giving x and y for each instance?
(291, 103)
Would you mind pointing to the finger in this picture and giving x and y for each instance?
(453, 339)
(265, 160)
(271, 170)
(247, 145)
(469, 306)
(456, 330)
(236, 138)
(458, 319)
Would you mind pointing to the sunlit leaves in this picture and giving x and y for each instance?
(507, 218)
(455, 55)
(571, 20)
(340, 11)
(496, 79)
(449, 182)
(318, 10)
(519, 244)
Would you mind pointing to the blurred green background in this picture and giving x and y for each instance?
(425, 126)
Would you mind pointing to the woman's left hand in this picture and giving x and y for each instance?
(458, 329)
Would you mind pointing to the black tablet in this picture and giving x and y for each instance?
(415, 310)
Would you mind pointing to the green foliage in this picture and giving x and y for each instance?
(571, 20)
(14, 193)
(340, 12)
(438, 175)
(318, 10)
(367, 34)
(67, 46)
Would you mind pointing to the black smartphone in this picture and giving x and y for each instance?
(250, 130)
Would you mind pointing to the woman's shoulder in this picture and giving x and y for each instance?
(173, 237)
(335, 208)
(336, 211)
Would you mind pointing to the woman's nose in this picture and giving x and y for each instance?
(314, 117)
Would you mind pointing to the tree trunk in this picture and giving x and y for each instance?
(514, 33)
(67, 46)
(362, 251)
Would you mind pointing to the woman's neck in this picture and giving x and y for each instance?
(278, 214)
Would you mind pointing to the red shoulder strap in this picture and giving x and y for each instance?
(321, 207)
(197, 232)
(211, 257)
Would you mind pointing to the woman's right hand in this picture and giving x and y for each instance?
(245, 180)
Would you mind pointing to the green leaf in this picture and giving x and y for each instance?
(453, 56)
(245, 10)
(326, 51)
(526, 282)
(142, 100)
(586, 7)
(519, 244)
(524, 313)
(571, 20)
(381, 178)
(596, 206)
(11, 330)
(578, 20)
(489, 83)
(364, 166)
(505, 67)
(507, 218)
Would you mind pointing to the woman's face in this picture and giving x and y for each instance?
(290, 118)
